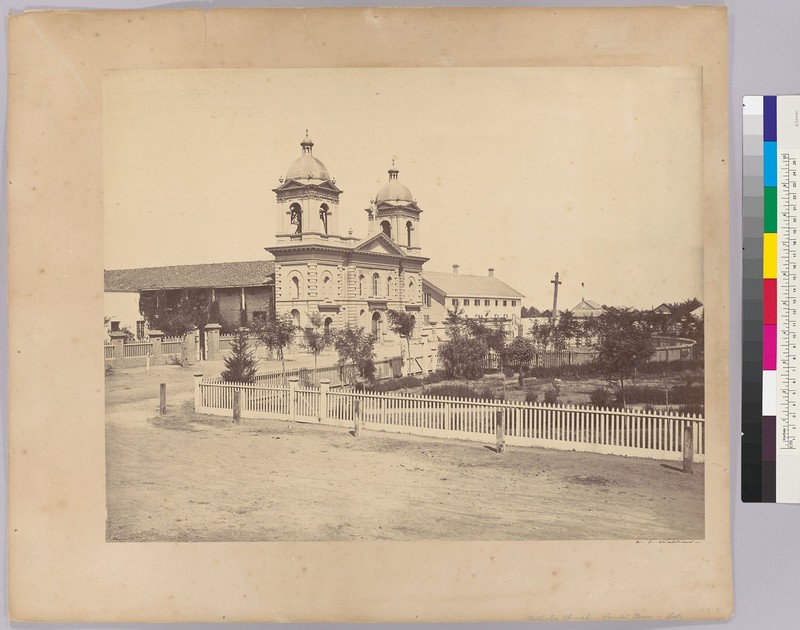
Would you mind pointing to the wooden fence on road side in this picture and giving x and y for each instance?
(565, 427)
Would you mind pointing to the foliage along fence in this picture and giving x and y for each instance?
(337, 375)
(654, 435)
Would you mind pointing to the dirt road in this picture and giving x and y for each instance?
(187, 477)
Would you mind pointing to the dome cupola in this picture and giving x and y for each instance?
(307, 167)
(393, 191)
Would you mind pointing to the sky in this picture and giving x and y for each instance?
(594, 173)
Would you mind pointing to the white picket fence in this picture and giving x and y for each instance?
(654, 435)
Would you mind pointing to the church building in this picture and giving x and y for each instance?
(350, 281)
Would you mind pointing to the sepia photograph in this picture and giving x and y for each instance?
(404, 304)
(401, 322)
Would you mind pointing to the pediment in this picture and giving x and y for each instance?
(379, 244)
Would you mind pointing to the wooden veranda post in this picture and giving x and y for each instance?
(162, 407)
(688, 449)
(501, 430)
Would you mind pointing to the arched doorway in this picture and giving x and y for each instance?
(328, 324)
(377, 324)
(296, 317)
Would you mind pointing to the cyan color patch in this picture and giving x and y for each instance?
(770, 164)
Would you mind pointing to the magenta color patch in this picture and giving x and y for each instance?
(770, 346)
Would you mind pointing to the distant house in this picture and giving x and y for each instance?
(484, 297)
(698, 313)
(235, 288)
(587, 308)
(662, 309)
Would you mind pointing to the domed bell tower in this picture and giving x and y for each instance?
(397, 213)
(307, 200)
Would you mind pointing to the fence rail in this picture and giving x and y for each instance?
(171, 345)
(108, 351)
(139, 349)
(655, 435)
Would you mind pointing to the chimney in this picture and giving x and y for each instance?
(455, 269)
(491, 272)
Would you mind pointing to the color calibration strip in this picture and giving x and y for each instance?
(770, 452)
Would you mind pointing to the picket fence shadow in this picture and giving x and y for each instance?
(654, 435)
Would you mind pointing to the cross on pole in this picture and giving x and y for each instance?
(555, 282)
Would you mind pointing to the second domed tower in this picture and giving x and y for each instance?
(397, 214)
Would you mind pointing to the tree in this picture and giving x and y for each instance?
(175, 313)
(624, 344)
(568, 327)
(315, 337)
(463, 357)
(402, 323)
(277, 334)
(492, 334)
(356, 350)
(241, 364)
(543, 334)
(519, 354)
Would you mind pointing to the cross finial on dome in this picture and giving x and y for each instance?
(307, 144)
(393, 171)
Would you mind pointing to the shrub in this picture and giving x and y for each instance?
(434, 377)
(697, 410)
(600, 397)
(461, 391)
(489, 394)
(687, 394)
(679, 394)
(392, 385)
(551, 395)
(531, 396)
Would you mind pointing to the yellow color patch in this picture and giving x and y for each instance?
(770, 255)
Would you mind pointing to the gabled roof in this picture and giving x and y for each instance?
(587, 305)
(379, 239)
(663, 309)
(205, 276)
(462, 285)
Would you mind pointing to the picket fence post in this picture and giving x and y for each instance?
(324, 389)
(501, 435)
(293, 380)
(197, 397)
(688, 448)
(237, 406)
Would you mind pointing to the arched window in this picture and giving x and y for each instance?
(324, 211)
(387, 228)
(361, 285)
(411, 288)
(409, 227)
(296, 217)
(295, 288)
(389, 282)
(327, 285)
(376, 324)
(375, 281)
